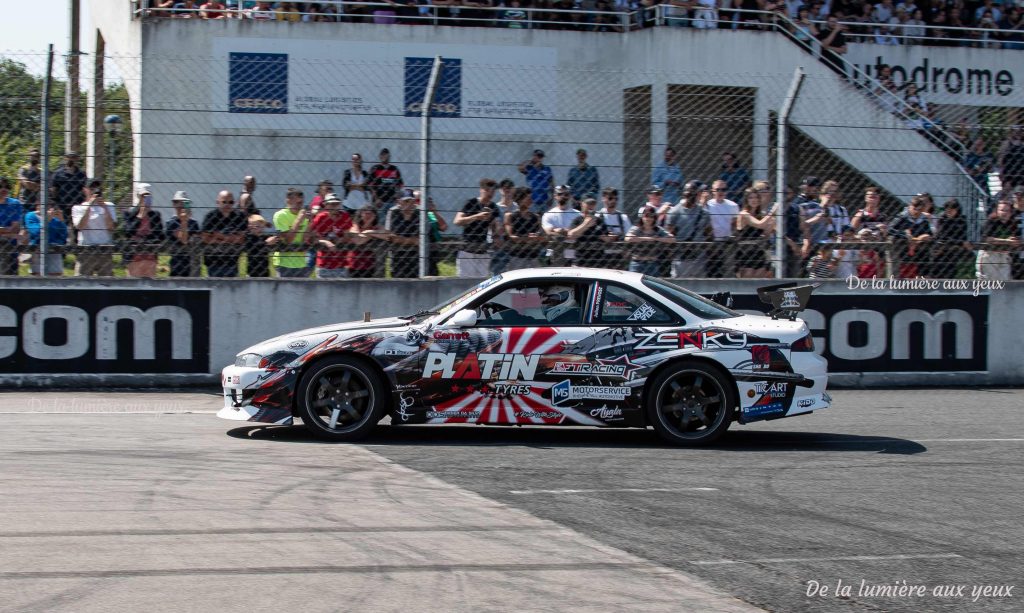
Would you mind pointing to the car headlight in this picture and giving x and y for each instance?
(275, 360)
(248, 360)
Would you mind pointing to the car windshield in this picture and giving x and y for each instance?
(694, 303)
(447, 305)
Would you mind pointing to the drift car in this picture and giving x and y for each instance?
(569, 346)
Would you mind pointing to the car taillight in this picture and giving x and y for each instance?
(804, 344)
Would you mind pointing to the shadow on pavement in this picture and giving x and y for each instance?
(734, 441)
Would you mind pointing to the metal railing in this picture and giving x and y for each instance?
(750, 258)
(594, 20)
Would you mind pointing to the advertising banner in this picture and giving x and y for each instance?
(890, 333)
(351, 86)
(50, 331)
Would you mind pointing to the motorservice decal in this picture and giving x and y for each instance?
(566, 391)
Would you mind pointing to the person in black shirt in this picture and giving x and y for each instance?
(67, 185)
(385, 181)
(523, 232)
(590, 233)
(223, 234)
(403, 221)
(833, 45)
(912, 234)
(477, 217)
(180, 232)
(952, 249)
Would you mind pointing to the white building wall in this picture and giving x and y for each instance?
(187, 133)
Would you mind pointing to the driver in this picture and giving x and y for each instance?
(559, 302)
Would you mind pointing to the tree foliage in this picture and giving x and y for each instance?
(21, 100)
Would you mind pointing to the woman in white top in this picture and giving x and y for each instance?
(354, 182)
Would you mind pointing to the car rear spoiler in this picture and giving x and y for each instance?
(787, 299)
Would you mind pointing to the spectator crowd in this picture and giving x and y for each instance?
(933, 22)
(370, 226)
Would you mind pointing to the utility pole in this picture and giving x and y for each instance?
(72, 109)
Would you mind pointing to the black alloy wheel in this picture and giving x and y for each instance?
(340, 399)
(691, 403)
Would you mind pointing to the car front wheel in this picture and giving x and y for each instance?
(340, 399)
(691, 403)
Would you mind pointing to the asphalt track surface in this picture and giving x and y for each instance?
(133, 501)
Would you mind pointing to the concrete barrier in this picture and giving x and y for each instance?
(136, 332)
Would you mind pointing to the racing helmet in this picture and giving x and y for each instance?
(557, 300)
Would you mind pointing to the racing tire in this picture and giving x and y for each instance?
(691, 404)
(340, 399)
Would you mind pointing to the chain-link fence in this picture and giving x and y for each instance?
(295, 160)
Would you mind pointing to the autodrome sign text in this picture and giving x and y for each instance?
(104, 331)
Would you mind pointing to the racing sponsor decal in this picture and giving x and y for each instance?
(508, 389)
(405, 402)
(453, 414)
(697, 339)
(607, 413)
(759, 411)
(567, 392)
(620, 367)
(775, 389)
(789, 300)
(595, 303)
(760, 357)
(299, 344)
(644, 312)
(481, 366)
(806, 402)
(538, 414)
(450, 336)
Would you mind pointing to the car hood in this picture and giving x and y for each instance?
(312, 336)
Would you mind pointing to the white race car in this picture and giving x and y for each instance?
(552, 346)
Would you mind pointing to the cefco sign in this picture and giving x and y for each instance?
(104, 331)
(896, 333)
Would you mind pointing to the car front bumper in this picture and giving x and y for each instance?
(243, 393)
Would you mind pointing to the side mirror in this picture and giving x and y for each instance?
(463, 319)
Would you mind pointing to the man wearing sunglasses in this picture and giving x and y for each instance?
(223, 235)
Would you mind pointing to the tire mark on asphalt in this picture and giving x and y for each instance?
(325, 569)
(258, 531)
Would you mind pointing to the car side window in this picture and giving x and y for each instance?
(620, 305)
(532, 304)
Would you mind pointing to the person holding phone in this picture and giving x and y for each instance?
(182, 231)
(144, 231)
(94, 220)
(477, 217)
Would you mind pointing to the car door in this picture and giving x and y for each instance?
(498, 371)
(609, 387)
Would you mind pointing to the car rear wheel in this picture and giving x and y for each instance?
(691, 404)
(340, 399)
